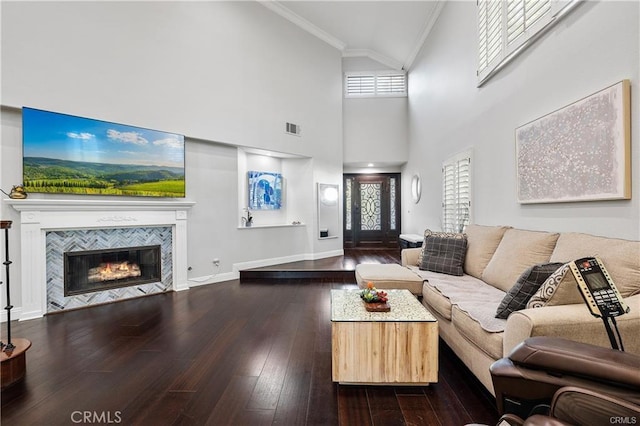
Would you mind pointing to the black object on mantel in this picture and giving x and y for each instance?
(6, 224)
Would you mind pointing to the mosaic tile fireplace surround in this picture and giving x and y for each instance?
(48, 228)
(60, 242)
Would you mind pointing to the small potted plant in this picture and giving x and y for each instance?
(375, 300)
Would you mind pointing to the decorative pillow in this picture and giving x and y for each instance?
(526, 286)
(444, 254)
(559, 289)
(428, 233)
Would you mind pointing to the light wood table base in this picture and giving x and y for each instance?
(385, 349)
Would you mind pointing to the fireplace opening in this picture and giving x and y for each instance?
(97, 270)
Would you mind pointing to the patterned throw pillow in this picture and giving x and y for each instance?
(526, 286)
(559, 289)
(444, 253)
(548, 288)
(429, 233)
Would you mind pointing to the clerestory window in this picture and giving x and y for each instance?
(507, 27)
(375, 84)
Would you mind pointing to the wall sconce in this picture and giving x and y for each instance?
(329, 195)
(416, 188)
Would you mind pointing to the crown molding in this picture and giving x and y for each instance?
(372, 54)
(424, 34)
(277, 7)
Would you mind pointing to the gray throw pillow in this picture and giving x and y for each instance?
(526, 286)
(444, 254)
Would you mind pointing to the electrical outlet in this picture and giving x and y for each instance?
(216, 262)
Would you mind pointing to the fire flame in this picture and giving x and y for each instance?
(114, 271)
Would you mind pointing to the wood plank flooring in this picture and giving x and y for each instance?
(338, 267)
(223, 354)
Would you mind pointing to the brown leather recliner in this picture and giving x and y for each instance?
(554, 381)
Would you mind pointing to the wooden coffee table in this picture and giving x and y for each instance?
(399, 347)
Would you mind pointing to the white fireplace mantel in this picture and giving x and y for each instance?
(37, 216)
(34, 204)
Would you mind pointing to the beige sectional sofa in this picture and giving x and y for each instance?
(465, 306)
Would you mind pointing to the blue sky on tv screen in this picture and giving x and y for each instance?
(66, 137)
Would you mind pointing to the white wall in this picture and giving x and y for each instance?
(225, 74)
(594, 47)
(375, 129)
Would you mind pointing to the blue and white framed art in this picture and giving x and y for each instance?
(265, 190)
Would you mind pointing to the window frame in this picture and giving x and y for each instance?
(509, 51)
(377, 76)
(461, 217)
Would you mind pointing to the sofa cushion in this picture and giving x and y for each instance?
(621, 258)
(472, 295)
(490, 343)
(518, 250)
(444, 254)
(436, 300)
(482, 242)
(526, 286)
(388, 276)
(560, 288)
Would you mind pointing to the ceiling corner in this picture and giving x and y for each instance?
(424, 34)
(280, 9)
(371, 54)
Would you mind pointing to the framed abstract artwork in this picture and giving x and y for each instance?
(578, 153)
(265, 190)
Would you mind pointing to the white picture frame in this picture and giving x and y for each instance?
(580, 152)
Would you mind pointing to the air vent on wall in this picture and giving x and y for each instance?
(293, 129)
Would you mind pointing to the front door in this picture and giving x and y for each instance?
(371, 210)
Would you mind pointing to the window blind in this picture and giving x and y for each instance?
(522, 15)
(391, 83)
(361, 84)
(456, 193)
(372, 84)
(507, 27)
(489, 32)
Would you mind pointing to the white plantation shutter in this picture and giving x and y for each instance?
(373, 84)
(456, 193)
(391, 84)
(507, 27)
(489, 32)
(522, 15)
(360, 84)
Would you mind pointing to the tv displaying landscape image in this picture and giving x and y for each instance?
(75, 155)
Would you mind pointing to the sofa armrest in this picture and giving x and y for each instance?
(410, 256)
(573, 322)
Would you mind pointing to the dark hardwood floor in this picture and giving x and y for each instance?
(339, 267)
(223, 354)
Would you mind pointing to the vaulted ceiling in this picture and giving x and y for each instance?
(390, 32)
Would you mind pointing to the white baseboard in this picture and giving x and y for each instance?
(212, 279)
(324, 255)
(16, 313)
(237, 267)
(285, 259)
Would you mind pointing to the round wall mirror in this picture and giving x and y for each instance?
(416, 188)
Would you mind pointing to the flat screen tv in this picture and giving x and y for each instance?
(75, 155)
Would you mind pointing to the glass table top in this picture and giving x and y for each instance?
(346, 305)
